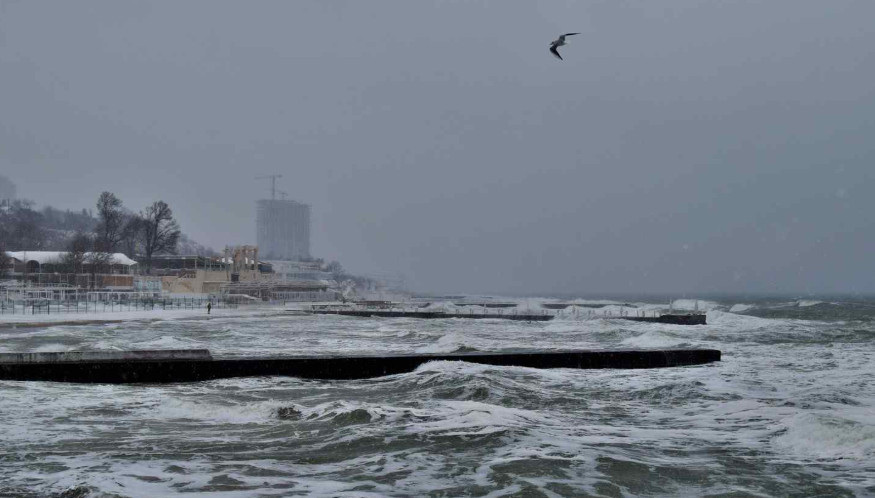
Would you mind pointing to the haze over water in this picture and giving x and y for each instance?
(679, 148)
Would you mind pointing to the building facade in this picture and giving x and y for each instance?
(283, 229)
(299, 270)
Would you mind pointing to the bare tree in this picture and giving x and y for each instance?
(4, 260)
(160, 231)
(188, 246)
(99, 260)
(21, 227)
(132, 235)
(337, 271)
(112, 221)
(77, 252)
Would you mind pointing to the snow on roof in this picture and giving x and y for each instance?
(247, 261)
(55, 257)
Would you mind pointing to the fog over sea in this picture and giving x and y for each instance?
(789, 411)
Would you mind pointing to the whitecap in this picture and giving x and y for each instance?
(447, 343)
(804, 303)
(740, 308)
(826, 436)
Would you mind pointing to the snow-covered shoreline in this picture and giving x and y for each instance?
(41, 320)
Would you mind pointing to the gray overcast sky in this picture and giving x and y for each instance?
(682, 146)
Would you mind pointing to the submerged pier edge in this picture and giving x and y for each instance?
(129, 367)
(669, 318)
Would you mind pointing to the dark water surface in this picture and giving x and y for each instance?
(790, 411)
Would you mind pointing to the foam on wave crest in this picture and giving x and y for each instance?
(789, 409)
(171, 408)
(741, 308)
(655, 339)
(453, 342)
(804, 303)
(823, 436)
(692, 304)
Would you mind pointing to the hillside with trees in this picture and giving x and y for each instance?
(110, 228)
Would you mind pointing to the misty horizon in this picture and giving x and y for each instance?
(695, 149)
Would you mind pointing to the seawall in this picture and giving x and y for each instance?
(523, 317)
(197, 365)
(696, 319)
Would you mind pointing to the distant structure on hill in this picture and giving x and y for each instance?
(283, 229)
(7, 190)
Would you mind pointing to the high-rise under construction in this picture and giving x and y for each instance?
(283, 229)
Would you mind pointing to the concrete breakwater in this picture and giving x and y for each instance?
(111, 367)
(562, 306)
(101, 356)
(672, 319)
(486, 305)
(507, 315)
(528, 316)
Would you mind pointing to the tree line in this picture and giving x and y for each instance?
(88, 239)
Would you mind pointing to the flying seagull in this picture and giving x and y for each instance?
(558, 42)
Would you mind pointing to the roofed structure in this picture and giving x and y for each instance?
(57, 257)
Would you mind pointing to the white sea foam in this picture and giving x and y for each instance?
(168, 342)
(447, 343)
(824, 436)
(804, 303)
(52, 347)
(171, 408)
(730, 321)
(653, 339)
(740, 308)
(692, 304)
(797, 411)
(459, 418)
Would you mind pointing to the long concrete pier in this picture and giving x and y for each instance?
(693, 319)
(562, 306)
(522, 317)
(672, 319)
(130, 367)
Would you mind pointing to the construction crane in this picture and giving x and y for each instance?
(272, 184)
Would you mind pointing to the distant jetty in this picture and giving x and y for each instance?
(382, 313)
(672, 319)
(486, 304)
(562, 306)
(388, 311)
(130, 367)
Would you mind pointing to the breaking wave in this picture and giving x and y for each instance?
(787, 411)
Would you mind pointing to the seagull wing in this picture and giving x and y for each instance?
(555, 52)
(561, 39)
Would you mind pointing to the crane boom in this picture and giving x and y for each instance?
(272, 184)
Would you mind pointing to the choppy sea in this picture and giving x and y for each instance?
(789, 411)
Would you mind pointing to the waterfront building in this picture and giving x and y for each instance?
(283, 229)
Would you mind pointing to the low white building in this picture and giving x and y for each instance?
(52, 261)
(115, 272)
